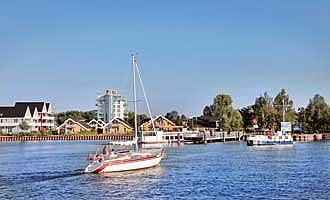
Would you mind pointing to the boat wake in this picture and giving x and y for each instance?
(25, 178)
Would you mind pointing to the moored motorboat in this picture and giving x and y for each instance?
(278, 138)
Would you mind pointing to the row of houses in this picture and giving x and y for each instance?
(116, 126)
(37, 116)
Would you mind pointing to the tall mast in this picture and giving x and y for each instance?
(135, 107)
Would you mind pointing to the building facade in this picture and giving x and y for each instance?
(161, 123)
(71, 126)
(36, 116)
(110, 105)
(117, 126)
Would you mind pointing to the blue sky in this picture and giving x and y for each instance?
(67, 52)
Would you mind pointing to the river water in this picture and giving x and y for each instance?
(54, 170)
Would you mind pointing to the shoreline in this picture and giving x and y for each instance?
(64, 137)
(296, 137)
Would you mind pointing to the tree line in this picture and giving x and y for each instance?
(266, 113)
(76, 115)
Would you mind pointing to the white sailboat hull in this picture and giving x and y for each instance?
(133, 165)
(124, 165)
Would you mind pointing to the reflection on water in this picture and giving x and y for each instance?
(54, 170)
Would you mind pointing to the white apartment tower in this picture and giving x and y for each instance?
(110, 105)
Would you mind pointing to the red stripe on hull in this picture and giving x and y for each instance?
(100, 168)
(104, 165)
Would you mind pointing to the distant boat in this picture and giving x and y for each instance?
(122, 143)
(278, 138)
(127, 160)
(156, 137)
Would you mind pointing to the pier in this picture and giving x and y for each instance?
(307, 137)
(66, 137)
(188, 137)
(209, 137)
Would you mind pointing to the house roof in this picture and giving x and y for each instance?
(20, 108)
(120, 120)
(7, 112)
(93, 120)
(81, 123)
(85, 124)
(99, 122)
(156, 118)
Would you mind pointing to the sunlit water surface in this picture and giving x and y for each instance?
(54, 170)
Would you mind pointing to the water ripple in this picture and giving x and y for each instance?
(213, 171)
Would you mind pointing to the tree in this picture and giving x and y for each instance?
(284, 108)
(265, 111)
(236, 121)
(317, 115)
(140, 118)
(175, 117)
(248, 115)
(221, 110)
(302, 120)
(207, 113)
(76, 115)
(24, 126)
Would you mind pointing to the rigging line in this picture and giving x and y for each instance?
(145, 96)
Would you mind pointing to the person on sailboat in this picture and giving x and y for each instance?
(106, 152)
(112, 154)
(89, 157)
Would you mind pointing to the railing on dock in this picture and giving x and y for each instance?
(206, 137)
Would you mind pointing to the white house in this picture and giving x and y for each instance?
(37, 115)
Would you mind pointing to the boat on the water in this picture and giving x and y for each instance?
(278, 138)
(126, 160)
(122, 143)
(158, 137)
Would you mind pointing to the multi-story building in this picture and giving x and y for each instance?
(110, 105)
(37, 116)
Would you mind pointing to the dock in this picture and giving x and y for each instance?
(66, 137)
(209, 137)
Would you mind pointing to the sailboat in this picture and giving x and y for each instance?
(127, 160)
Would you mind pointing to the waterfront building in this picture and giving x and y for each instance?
(94, 124)
(37, 116)
(71, 126)
(161, 123)
(110, 105)
(117, 126)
